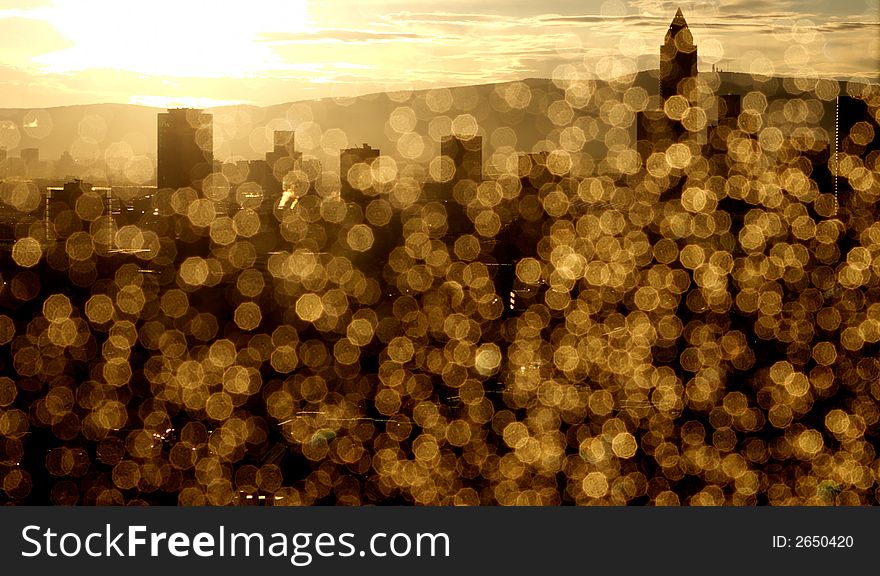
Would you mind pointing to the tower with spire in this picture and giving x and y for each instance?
(678, 57)
(658, 128)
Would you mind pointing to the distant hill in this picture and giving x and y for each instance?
(65, 124)
(87, 131)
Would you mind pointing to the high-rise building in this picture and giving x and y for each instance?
(66, 167)
(467, 173)
(533, 172)
(60, 209)
(857, 145)
(678, 57)
(30, 159)
(729, 108)
(466, 155)
(348, 159)
(185, 153)
(280, 161)
(30, 155)
(283, 146)
(364, 190)
(655, 132)
(661, 126)
(67, 196)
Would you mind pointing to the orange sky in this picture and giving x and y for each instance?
(198, 52)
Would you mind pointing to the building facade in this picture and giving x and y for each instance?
(185, 152)
(678, 58)
(348, 159)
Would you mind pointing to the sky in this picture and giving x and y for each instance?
(215, 52)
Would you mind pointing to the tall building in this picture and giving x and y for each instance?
(66, 167)
(349, 158)
(30, 155)
(283, 147)
(729, 107)
(857, 145)
(456, 193)
(678, 57)
(657, 129)
(366, 199)
(65, 198)
(281, 161)
(466, 155)
(61, 217)
(30, 159)
(185, 153)
(655, 132)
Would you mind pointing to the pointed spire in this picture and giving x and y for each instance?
(678, 56)
(677, 25)
(679, 20)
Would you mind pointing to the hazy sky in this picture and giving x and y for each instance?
(207, 52)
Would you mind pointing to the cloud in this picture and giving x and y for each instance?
(397, 44)
(330, 35)
(22, 4)
(471, 46)
(27, 38)
(456, 18)
(592, 19)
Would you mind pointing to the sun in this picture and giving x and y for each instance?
(181, 38)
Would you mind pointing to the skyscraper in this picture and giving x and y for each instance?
(729, 107)
(350, 157)
(185, 153)
(659, 128)
(30, 155)
(466, 155)
(61, 215)
(678, 57)
(857, 147)
(283, 147)
(30, 158)
(467, 163)
(279, 162)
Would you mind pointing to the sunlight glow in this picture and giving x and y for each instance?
(180, 101)
(186, 38)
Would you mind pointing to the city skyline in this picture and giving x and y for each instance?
(660, 289)
(205, 55)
